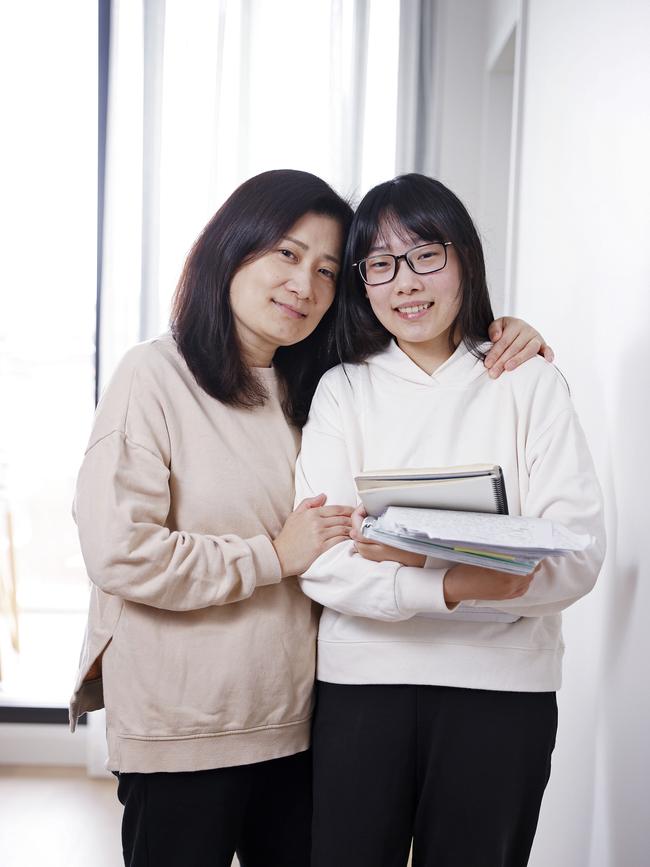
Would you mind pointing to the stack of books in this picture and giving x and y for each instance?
(459, 514)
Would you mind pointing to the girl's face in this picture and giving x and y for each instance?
(278, 298)
(417, 309)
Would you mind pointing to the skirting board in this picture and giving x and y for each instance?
(51, 744)
(42, 744)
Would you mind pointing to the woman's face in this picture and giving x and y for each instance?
(280, 297)
(417, 309)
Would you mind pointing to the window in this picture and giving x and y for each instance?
(48, 175)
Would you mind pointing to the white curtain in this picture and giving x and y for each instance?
(417, 81)
(205, 93)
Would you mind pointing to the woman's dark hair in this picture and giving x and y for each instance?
(412, 204)
(255, 217)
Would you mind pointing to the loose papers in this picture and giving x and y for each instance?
(502, 542)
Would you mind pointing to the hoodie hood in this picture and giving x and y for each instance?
(461, 368)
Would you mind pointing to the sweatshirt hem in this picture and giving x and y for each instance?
(496, 668)
(202, 752)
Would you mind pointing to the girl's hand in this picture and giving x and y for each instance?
(309, 530)
(514, 341)
(374, 550)
(472, 582)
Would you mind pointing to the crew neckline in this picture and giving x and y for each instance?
(268, 374)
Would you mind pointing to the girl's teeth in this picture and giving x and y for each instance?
(414, 309)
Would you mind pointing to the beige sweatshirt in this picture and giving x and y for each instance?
(208, 656)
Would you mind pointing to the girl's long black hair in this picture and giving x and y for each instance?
(419, 206)
(254, 218)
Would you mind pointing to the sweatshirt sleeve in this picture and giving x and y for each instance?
(562, 487)
(341, 578)
(122, 503)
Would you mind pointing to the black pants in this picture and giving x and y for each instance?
(262, 812)
(460, 771)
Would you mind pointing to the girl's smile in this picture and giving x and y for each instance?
(414, 311)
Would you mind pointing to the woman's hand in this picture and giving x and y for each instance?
(374, 550)
(514, 341)
(309, 530)
(472, 582)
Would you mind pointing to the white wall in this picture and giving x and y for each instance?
(473, 118)
(498, 143)
(502, 16)
(583, 278)
(460, 49)
(581, 232)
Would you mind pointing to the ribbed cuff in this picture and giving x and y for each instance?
(265, 561)
(419, 590)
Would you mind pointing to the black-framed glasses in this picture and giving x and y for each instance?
(423, 259)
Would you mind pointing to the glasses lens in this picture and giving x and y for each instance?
(428, 258)
(378, 269)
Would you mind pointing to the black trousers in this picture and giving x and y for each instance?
(460, 772)
(261, 812)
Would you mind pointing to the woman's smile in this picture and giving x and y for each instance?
(288, 310)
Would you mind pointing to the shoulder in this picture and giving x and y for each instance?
(340, 376)
(341, 381)
(152, 355)
(540, 392)
(148, 365)
(137, 388)
(334, 396)
(538, 374)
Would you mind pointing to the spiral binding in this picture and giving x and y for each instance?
(499, 488)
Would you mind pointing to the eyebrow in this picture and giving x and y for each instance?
(305, 247)
(385, 249)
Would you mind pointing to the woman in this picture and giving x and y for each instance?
(432, 725)
(199, 641)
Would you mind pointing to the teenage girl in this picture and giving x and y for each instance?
(432, 725)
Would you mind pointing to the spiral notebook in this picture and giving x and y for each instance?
(472, 488)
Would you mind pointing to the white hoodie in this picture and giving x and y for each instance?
(386, 413)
